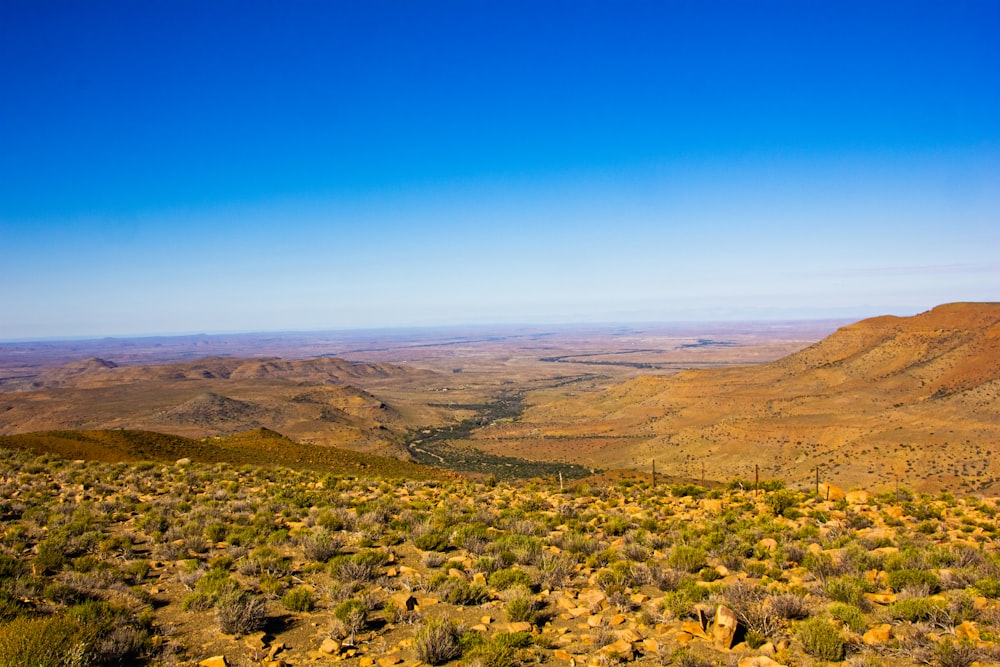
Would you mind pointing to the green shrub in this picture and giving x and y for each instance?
(849, 590)
(459, 591)
(687, 558)
(298, 599)
(850, 616)
(781, 502)
(504, 579)
(240, 613)
(900, 579)
(687, 491)
(353, 614)
(52, 641)
(914, 609)
(820, 639)
(433, 540)
(437, 641)
(989, 587)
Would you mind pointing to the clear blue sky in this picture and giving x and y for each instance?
(230, 166)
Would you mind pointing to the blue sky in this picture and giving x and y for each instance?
(235, 166)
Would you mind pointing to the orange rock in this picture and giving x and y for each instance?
(725, 626)
(694, 629)
(759, 661)
(214, 661)
(880, 634)
(881, 598)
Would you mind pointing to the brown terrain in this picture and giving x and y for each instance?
(886, 400)
(367, 391)
(909, 399)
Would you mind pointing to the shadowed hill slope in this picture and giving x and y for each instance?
(914, 398)
(257, 447)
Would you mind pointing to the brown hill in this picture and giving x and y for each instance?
(95, 372)
(314, 400)
(911, 398)
(257, 447)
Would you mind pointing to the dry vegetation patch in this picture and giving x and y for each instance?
(168, 564)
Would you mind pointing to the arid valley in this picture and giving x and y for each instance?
(824, 492)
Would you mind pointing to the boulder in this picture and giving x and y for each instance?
(214, 661)
(880, 634)
(828, 491)
(330, 646)
(759, 661)
(724, 628)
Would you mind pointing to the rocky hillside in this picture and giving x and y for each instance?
(889, 398)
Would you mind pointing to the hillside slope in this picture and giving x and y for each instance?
(257, 447)
(318, 400)
(911, 398)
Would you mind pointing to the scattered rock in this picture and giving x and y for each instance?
(214, 661)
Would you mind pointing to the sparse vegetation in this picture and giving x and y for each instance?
(81, 564)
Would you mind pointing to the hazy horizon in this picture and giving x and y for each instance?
(243, 167)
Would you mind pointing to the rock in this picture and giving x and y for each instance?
(711, 505)
(967, 630)
(595, 620)
(881, 598)
(592, 598)
(651, 645)
(389, 660)
(759, 661)
(621, 649)
(830, 492)
(181, 463)
(768, 544)
(562, 654)
(214, 661)
(893, 512)
(274, 663)
(880, 634)
(366, 661)
(404, 600)
(725, 626)
(330, 646)
(858, 497)
(694, 629)
(519, 626)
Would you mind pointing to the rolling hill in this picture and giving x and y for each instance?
(318, 400)
(910, 398)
